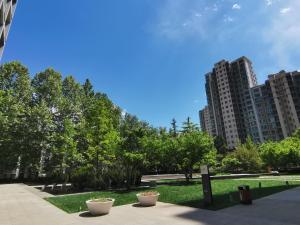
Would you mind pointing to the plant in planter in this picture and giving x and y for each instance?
(148, 198)
(100, 206)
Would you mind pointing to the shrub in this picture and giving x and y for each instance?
(231, 164)
(83, 178)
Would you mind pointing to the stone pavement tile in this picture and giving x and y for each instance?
(168, 214)
(228, 219)
(5, 221)
(282, 207)
(38, 192)
(23, 207)
(289, 195)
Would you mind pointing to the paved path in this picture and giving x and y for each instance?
(21, 206)
(283, 206)
(146, 178)
(168, 214)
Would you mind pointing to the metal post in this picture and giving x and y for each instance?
(206, 184)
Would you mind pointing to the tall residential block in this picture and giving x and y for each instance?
(268, 118)
(7, 10)
(205, 120)
(285, 87)
(238, 107)
(232, 111)
(214, 106)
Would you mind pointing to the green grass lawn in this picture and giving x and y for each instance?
(178, 192)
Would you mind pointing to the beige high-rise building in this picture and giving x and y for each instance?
(7, 10)
(285, 88)
(228, 90)
(205, 120)
(238, 107)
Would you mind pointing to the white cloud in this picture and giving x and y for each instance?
(215, 7)
(285, 10)
(269, 2)
(228, 19)
(203, 20)
(283, 34)
(179, 20)
(272, 2)
(236, 6)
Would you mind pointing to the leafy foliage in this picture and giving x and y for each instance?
(283, 154)
(58, 128)
(245, 158)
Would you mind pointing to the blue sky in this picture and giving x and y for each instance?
(150, 56)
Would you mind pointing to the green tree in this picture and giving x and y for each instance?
(72, 100)
(289, 152)
(189, 126)
(297, 133)
(152, 148)
(132, 154)
(171, 155)
(40, 141)
(174, 128)
(270, 154)
(102, 139)
(15, 101)
(194, 145)
(220, 145)
(9, 112)
(66, 152)
(48, 88)
(247, 156)
(281, 155)
(231, 164)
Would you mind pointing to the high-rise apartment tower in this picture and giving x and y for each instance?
(205, 120)
(238, 107)
(285, 88)
(7, 10)
(231, 108)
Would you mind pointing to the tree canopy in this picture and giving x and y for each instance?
(54, 127)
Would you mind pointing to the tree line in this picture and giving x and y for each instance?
(282, 155)
(62, 130)
(59, 130)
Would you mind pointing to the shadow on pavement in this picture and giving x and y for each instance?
(138, 205)
(88, 215)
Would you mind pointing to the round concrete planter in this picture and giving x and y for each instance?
(100, 206)
(147, 199)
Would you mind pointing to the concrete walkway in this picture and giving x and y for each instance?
(19, 205)
(283, 206)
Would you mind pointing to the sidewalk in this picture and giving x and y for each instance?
(21, 206)
(283, 206)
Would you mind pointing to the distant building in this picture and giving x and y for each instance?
(7, 10)
(228, 90)
(238, 107)
(285, 87)
(267, 114)
(205, 120)
(214, 105)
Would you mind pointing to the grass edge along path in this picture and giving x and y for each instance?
(225, 194)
